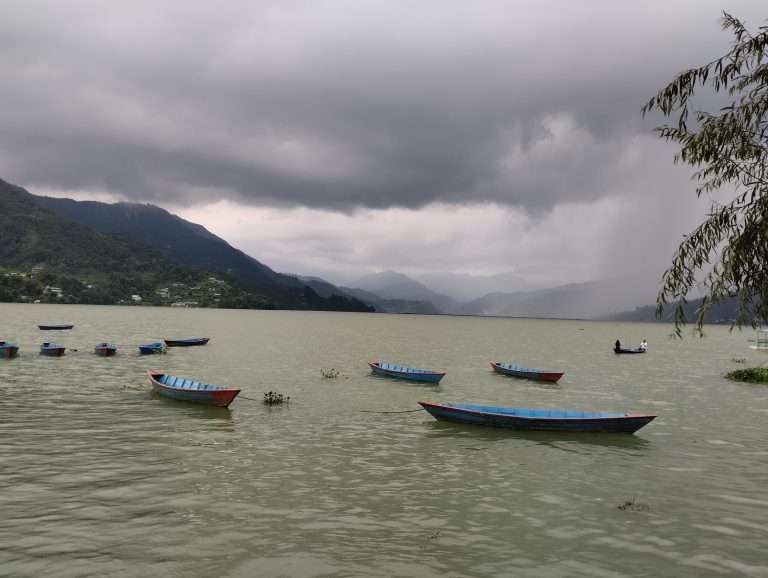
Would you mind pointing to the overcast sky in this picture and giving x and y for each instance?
(342, 137)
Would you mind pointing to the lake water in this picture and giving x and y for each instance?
(100, 477)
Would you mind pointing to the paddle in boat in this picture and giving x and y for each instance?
(55, 327)
(8, 349)
(521, 418)
(189, 342)
(105, 349)
(526, 372)
(150, 348)
(403, 372)
(177, 387)
(52, 349)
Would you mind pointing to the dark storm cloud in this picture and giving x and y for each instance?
(337, 104)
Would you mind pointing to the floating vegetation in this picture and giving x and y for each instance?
(274, 398)
(329, 373)
(433, 536)
(739, 359)
(633, 505)
(749, 375)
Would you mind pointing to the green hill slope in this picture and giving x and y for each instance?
(46, 257)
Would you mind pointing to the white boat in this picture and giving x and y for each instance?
(761, 343)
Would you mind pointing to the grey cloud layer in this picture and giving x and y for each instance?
(341, 104)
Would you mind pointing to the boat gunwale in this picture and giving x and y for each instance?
(406, 371)
(621, 417)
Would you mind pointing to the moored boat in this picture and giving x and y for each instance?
(52, 349)
(403, 372)
(8, 349)
(56, 327)
(181, 388)
(189, 342)
(515, 370)
(618, 350)
(105, 349)
(521, 418)
(150, 348)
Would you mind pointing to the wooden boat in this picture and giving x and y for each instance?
(402, 372)
(150, 348)
(521, 418)
(618, 350)
(189, 342)
(8, 349)
(526, 372)
(105, 349)
(180, 388)
(761, 343)
(52, 349)
(58, 327)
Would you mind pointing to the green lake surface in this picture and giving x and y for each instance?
(101, 477)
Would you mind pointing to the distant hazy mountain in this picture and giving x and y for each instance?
(571, 301)
(463, 287)
(392, 285)
(393, 305)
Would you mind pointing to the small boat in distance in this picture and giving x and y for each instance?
(761, 343)
(55, 327)
(105, 349)
(8, 349)
(526, 372)
(189, 342)
(52, 349)
(618, 350)
(521, 418)
(176, 387)
(150, 348)
(402, 372)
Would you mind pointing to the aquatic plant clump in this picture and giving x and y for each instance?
(329, 373)
(749, 375)
(274, 398)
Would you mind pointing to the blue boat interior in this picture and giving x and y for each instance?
(183, 383)
(513, 367)
(402, 368)
(529, 412)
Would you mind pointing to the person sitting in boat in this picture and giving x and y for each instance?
(617, 345)
(643, 345)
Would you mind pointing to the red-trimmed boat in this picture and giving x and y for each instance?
(52, 349)
(521, 418)
(181, 388)
(105, 349)
(403, 372)
(189, 342)
(8, 349)
(526, 372)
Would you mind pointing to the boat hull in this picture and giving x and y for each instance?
(52, 349)
(151, 348)
(527, 419)
(8, 349)
(60, 327)
(105, 350)
(526, 372)
(621, 350)
(405, 373)
(182, 389)
(191, 342)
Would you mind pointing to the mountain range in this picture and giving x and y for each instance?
(61, 234)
